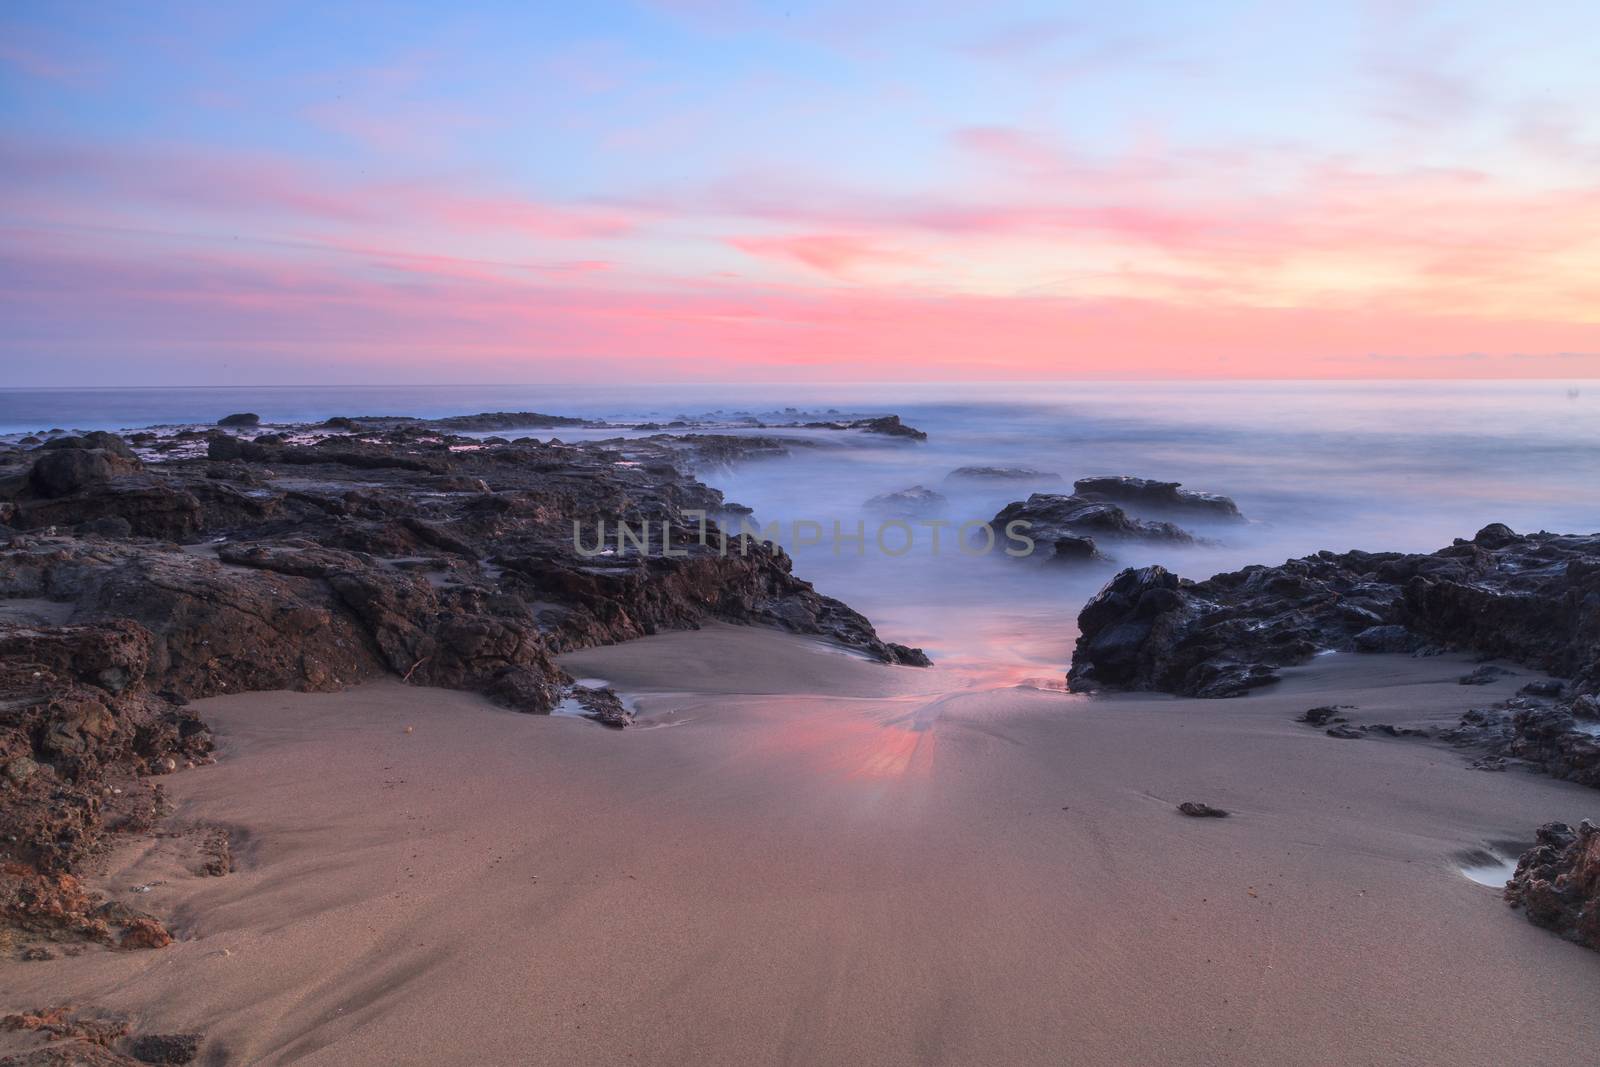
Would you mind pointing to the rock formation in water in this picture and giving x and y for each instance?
(1158, 497)
(1003, 474)
(1072, 528)
(311, 560)
(914, 502)
(1533, 599)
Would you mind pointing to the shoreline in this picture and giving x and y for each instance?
(888, 867)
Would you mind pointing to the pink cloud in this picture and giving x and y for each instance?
(242, 306)
(837, 255)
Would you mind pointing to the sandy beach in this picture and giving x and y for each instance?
(805, 857)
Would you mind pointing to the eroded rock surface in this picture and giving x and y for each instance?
(1532, 599)
(1072, 528)
(315, 558)
(1557, 882)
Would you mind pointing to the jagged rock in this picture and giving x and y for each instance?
(604, 707)
(1196, 810)
(1557, 882)
(1531, 598)
(1157, 496)
(888, 425)
(1543, 687)
(1071, 525)
(312, 566)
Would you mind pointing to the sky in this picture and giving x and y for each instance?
(347, 193)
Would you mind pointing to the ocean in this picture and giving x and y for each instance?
(1313, 465)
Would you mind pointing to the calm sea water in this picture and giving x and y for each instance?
(1314, 465)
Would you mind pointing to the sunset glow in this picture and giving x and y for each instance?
(773, 192)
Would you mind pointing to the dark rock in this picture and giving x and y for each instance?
(404, 551)
(1386, 638)
(1557, 882)
(106, 442)
(1543, 687)
(1195, 809)
(1344, 733)
(107, 526)
(1074, 549)
(505, 420)
(914, 502)
(241, 418)
(888, 425)
(1485, 675)
(1074, 525)
(1003, 474)
(1164, 497)
(62, 472)
(1534, 599)
(604, 707)
(165, 1048)
(1390, 730)
(1322, 716)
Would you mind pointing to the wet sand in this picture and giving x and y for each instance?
(806, 858)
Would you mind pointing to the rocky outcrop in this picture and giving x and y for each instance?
(1158, 497)
(1562, 740)
(1557, 882)
(273, 563)
(887, 425)
(241, 419)
(1003, 474)
(1073, 527)
(1534, 599)
(914, 502)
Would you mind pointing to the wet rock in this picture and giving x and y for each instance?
(1322, 716)
(165, 1048)
(604, 707)
(1484, 675)
(240, 419)
(1074, 549)
(914, 502)
(1196, 810)
(888, 425)
(1162, 497)
(1543, 687)
(1390, 730)
(1531, 598)
(505, 420)
(1489, 763)
(1557, 882)
(1003, 474)
(1344, 733)
(1073, 526)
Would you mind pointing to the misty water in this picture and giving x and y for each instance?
(1313, 465)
